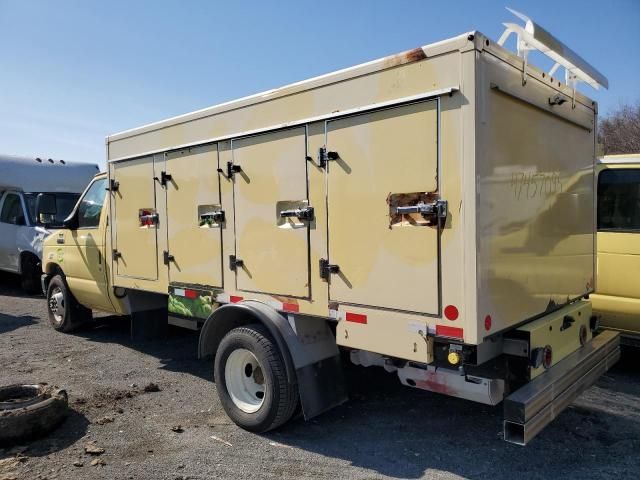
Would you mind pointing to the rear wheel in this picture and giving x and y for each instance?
(252, 380)
(65, 313)
(30, 272)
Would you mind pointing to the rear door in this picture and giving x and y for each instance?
(382, 164)
(136, 226)
(194, 216)
(272, 241)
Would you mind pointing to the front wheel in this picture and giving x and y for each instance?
(252, 380)
(64, 311)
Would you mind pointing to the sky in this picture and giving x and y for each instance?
(73, 71)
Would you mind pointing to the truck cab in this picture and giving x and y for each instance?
(617, 298)
(36, 195)
(76, 261)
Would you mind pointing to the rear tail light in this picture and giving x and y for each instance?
(547, 356)
(542, 357)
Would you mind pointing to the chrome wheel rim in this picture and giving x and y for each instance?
(244, 378)
(56, 304)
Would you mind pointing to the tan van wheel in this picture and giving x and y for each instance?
(64, 311)
(252, 381)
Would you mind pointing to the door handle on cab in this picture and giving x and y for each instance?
(60, 238)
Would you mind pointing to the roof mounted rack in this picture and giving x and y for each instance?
(533, 37)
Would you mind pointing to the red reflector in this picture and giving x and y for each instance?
(190, 293)
(290, 307)
(235, 299)
(487, 322)
(444, 331)
(355, 318)
(451, 312)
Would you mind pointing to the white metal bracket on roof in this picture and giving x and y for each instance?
(533, 37)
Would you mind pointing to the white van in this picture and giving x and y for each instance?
(36, 194)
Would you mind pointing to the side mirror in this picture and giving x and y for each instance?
(46, 208)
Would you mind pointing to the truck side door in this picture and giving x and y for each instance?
(81, 253)
(12, 218)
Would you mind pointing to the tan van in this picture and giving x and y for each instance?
(617, 300)
(431, 213)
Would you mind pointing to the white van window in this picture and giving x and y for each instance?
(90, 206)
(619, 200)
(12, 210)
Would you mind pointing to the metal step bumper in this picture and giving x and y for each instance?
(528, 410)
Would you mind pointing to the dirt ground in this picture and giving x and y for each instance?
(384, 431)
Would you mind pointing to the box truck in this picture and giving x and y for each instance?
(36, 195)
(431, 213)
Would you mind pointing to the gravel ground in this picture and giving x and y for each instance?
(384, 431)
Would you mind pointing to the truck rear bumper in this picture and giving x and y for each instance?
(528, 410)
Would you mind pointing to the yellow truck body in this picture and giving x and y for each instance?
(431, 212)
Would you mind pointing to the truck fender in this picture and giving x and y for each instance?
(307, 345)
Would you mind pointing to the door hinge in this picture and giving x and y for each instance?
(115, 254)
(167, 258)
(437, 210)
(324, 156)
(231, 169)
(165, 178)
(113, 185)
(235, 262)
(326, 269)
(304, 213)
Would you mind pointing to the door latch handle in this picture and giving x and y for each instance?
(305, 213)
(437, 209)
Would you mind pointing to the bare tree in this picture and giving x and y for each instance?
(620, 130)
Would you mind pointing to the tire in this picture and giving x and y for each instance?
(252, 381)
(31, 270)
(29, 411)
(64, 312)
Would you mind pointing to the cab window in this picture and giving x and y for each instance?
(90, 206)
(12, 210)
(619, 200)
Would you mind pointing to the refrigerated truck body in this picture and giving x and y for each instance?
(431, 212)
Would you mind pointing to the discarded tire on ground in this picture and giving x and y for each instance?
(28, 411)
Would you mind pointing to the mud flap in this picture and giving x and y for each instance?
(149, 315)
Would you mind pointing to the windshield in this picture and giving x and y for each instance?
(64, 204)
